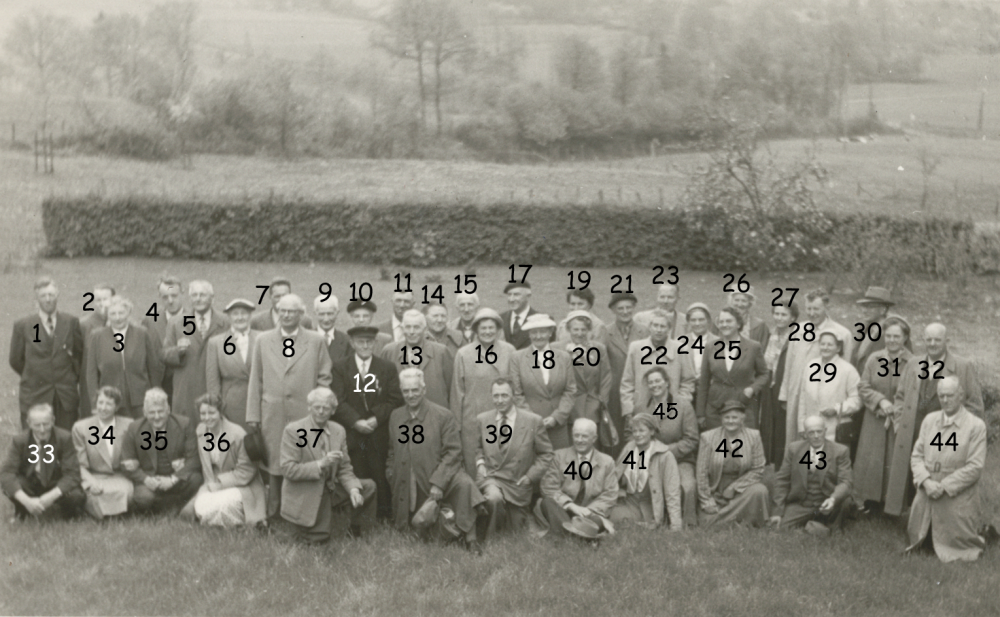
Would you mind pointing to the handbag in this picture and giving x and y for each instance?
(607, 434)
(253, 442)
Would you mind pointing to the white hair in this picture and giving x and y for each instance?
(415, 315)
(154, 395)
(295, 300)
(321, 394)
(200, 283)
(329, 302)
(412, 373)
(586, 423)
(473, 296)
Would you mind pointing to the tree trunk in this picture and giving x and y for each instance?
(437, 88)
(420, 87)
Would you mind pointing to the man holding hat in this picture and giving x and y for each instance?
(518, 297)
(279, 288)
(361, 313)
(620, 336)
(875, 306)
(425, 462)
(287, 363)
(185, 348)
(368, 390)
(477, 366)
(227, 361)
(580, 487)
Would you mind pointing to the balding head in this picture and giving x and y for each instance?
(815, 430)
(40, 420)
(290, 308)
(584, 435)
(936, 340)
(950, 394)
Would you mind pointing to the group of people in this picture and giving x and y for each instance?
(461, 427)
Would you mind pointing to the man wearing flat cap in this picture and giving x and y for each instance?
(227, 361)
(279, 288)
(518, 298)
(287, 363)
(621, 335)
(361, 313)
(367, 388)
(185, 348)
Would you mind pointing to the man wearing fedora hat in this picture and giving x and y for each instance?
(425, 460)
(368, 390)
(518, 298)
(580, 482)
(875, 306)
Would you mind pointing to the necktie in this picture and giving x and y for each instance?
(517, 323)
(581, 496)
(329, 338)
(503, 423)
(202, 326)
(50, 325)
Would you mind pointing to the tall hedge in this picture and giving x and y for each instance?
(447, 235)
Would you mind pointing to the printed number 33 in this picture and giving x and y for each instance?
(369, 383)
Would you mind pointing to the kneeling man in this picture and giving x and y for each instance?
(580, 482)
(41, 472)
(947, 462)
(320, 488)
(425, 461)
(512, 454)
(813, 486)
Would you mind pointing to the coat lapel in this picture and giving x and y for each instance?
(515, 439)
(60, 334)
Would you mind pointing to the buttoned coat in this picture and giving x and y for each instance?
(836, 479)
(472, 390)
(554, 399)
(877, 384)
(133, 371)
(711, 460)
(716, 385)
(593, 383)
(279, 384)
(451, 339)
(304, 481)
(906, 400)
(601, 487)
(236, 470)
(228, 375)
(528, 453)
(49, 369)
(340, 349)
(680, 374)
(190, 364)
(436, 362)
(955, 517)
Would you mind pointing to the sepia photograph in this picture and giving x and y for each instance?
(500, 307)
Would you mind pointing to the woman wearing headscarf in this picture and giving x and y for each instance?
(882, 374)
(733, 369)
(232, 493)
(543, 379)
(828, 387)
(98, 442)
(477, 365)
(730, 468)
(648, 480)
(772, 411)
(677, 427)
(592, 368)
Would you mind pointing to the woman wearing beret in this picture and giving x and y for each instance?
(543, 379)
(477, 365)
(881, 377)
(109, 492)
(733, 368)
(227, 361)
(730, 468)
(592, 368)
(772, 411)
(233, 493)
(648, 479)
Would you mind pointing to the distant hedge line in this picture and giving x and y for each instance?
(421, 235)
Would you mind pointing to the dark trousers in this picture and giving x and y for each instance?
(336, 515)
(502, 515)
(166, 502)
(273, 493)
(69, 505)
(848, 434)
(556, 515)
(797, 515)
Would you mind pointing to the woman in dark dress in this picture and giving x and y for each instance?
(772, 411)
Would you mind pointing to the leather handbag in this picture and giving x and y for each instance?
(607, 435)
(254, 444)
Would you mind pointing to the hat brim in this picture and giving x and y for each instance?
(876, 301)
(581, 533)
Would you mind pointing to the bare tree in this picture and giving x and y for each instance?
(116, 43)
(405, 34)
(46, 48)
(448, 39)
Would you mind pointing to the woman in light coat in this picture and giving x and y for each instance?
(835, 398)
(233, 493)
(649, 482)
(98, 441)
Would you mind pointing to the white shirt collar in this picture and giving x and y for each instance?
(122, 331)
(292, 334)
(45, 316)
(362, 364)
(523, 314)
(586, 457)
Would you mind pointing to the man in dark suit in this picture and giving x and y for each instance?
(402, 301)
(512, 455)
(94, 321)
(367, 388)
(185, 348)
(46, 350)
(518, 298)
(171, 303)
(41, 472)
(279, 288)
(337, 341)
(160, 456)
(813, 486)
